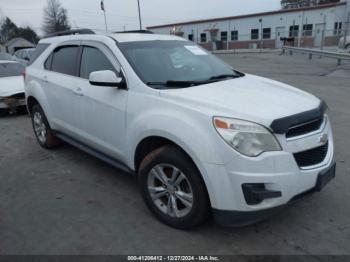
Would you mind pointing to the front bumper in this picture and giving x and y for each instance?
(244, 218)
(279, 178)
(12, 102)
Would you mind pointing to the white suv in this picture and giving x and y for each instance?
(201, 137)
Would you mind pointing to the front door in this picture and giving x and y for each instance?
(101, 110)
(318, 35)
(280, 32)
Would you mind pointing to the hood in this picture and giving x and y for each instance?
(250, 98)
(11, 85)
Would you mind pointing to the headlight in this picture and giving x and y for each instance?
(248, 138)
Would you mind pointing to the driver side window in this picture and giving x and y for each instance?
(93, 60)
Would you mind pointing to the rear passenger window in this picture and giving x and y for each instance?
(93, 60)
(65, 60)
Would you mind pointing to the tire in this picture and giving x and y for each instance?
(42, 130)
(184, 190)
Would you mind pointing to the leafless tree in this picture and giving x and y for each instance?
(55, 17)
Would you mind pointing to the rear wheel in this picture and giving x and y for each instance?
(42, 130)
(173, 188)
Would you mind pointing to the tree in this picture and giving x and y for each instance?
(304, 3)
(29, 34)
(9, 30)
(55, 17)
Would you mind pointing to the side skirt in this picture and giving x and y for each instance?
(95, 153)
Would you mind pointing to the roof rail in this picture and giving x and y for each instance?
(83, 31)
(135, 31)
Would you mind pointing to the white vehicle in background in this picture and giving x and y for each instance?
(6, 57)
(201, 137)
(24, 56)
(345, 43)
(11, 86)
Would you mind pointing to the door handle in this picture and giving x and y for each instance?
(78, 91)
(45, 80)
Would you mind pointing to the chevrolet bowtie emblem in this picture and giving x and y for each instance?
(324, 139)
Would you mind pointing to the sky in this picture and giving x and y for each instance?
(122, 14)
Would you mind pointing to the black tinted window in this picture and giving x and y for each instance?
(48, 62)
(34, 54)
(93, 60)
(64, 60)
(11, 69)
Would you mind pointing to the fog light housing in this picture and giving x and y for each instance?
(255, 194)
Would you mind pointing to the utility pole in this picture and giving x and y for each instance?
(228, 34)
(138, 4)
(104, 12)
(261, 34)
(346, 28)
(324, 30)
(301, 31)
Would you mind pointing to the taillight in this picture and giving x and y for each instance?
(24, 74)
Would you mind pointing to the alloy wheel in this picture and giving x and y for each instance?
(170, 190)
(39, 127)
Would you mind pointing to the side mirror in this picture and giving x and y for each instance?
(106, 78)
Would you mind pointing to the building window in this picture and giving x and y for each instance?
(293, 31)
(267, 33)
(307, 30)
(234, 35)
(338, 28)
(203, 37)
(255, 34)
(224, 36)
(190, 37)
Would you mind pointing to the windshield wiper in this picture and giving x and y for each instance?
(176, 83)
(219, 77)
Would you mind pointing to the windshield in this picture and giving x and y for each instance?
(177, 62)
(10, 69)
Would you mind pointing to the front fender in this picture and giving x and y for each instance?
(195, 135)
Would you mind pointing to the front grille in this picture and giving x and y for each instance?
(305, 128)
(311, 157)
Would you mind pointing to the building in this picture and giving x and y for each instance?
(16, 44)
(314, 26)
(2, 48)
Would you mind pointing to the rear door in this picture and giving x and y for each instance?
(60, 83)
(101, 110)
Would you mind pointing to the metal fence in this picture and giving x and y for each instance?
(315, 52)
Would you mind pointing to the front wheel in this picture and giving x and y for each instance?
(173, 188)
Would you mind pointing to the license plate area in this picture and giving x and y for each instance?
(325, 177)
